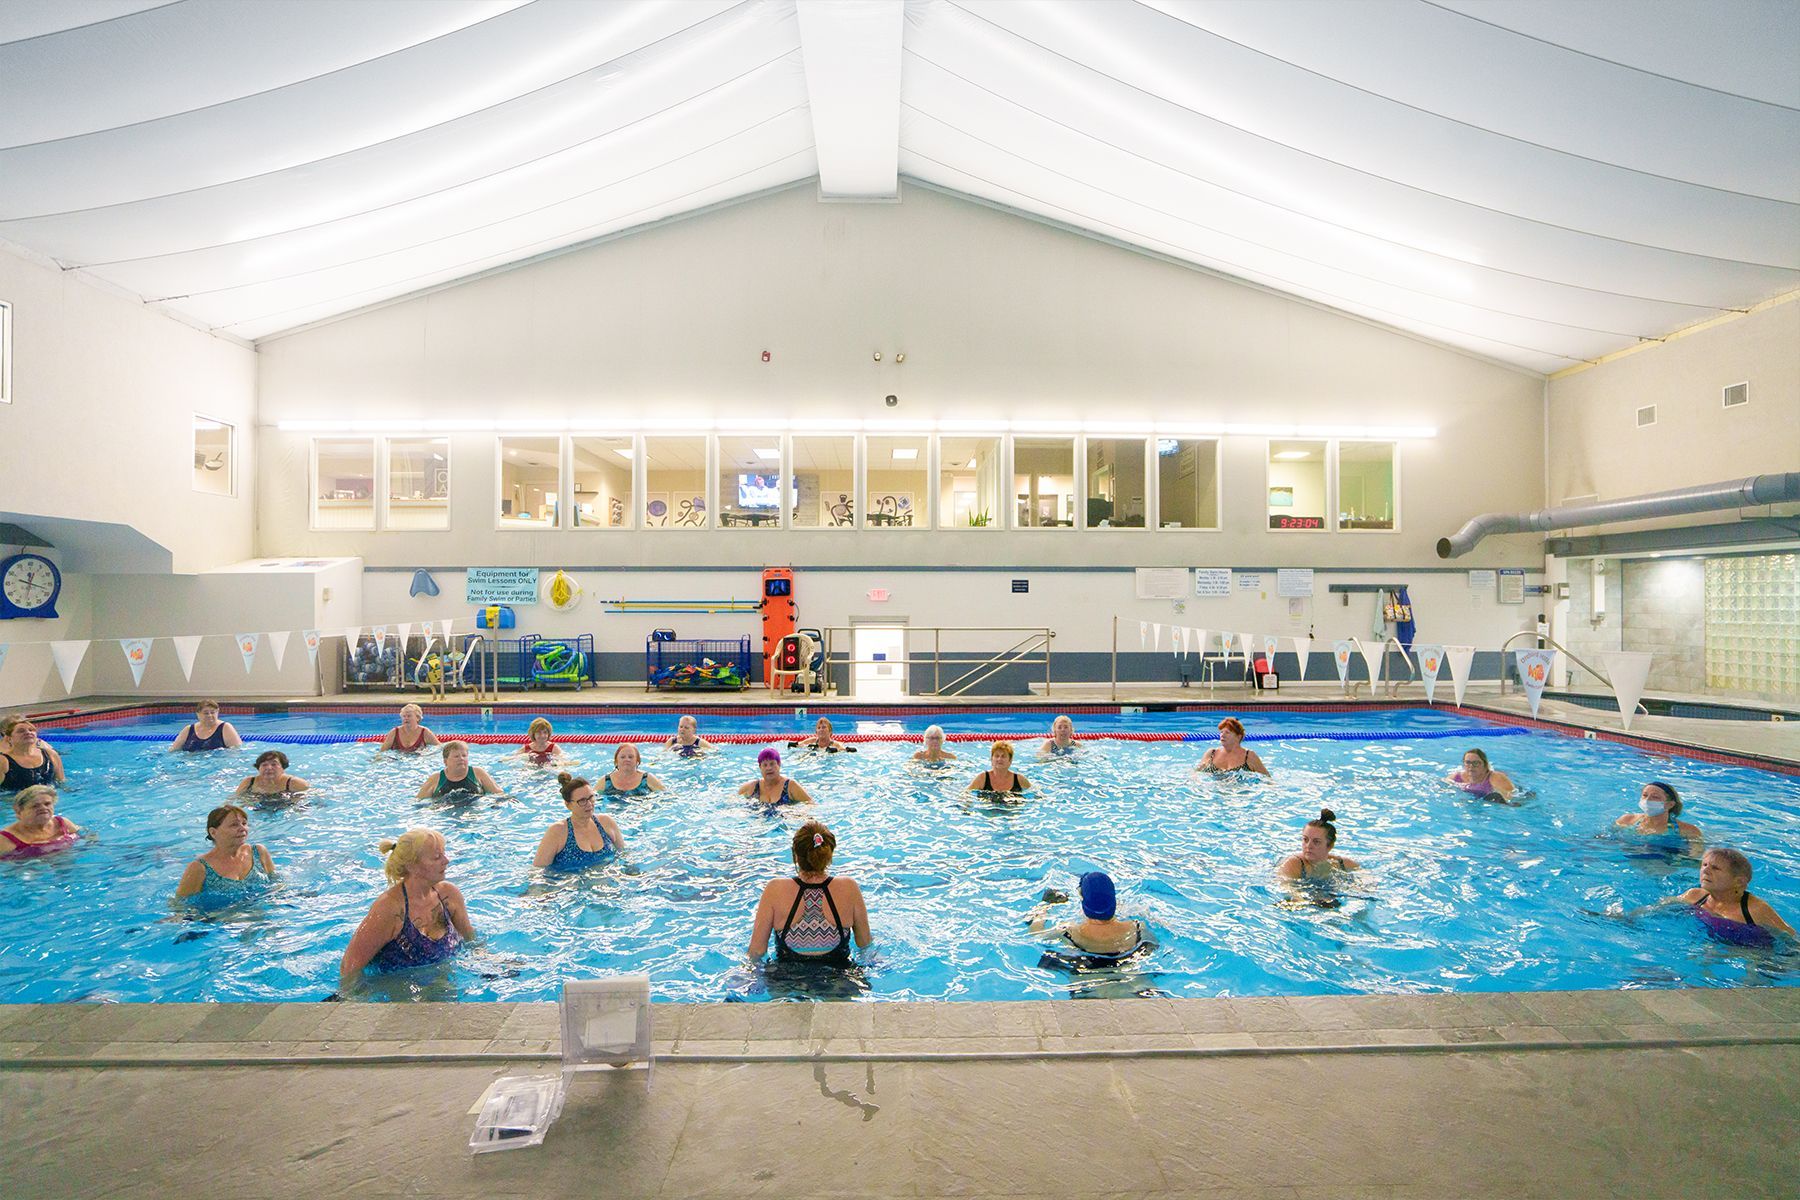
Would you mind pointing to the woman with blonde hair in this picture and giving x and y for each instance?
(391, 938)
(540, 748)
(410, 736)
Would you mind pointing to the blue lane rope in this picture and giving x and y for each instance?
(1303, 735)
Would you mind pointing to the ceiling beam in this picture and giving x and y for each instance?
(851, 49)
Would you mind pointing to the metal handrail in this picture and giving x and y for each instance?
(1394, 685)
(1036, 639)
(1530, 633)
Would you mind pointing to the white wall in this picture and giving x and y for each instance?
(999, 317)
(1596, 448)
(101, 426)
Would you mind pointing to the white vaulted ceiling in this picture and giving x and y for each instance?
(1533, 181)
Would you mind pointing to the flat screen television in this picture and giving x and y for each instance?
(763, 491)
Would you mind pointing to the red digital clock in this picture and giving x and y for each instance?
(1296, 522)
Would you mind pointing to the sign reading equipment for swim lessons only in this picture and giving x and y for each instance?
(1021, 585)
(501, 585)
(1212, 581)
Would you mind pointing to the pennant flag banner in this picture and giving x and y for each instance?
(1629, 671)
(1302, 651)
(1372, 657)
(137, 656)
(68, 656)
(352, 635)
(1534, 672)
(1156, 635)
(1459, 659)
(381, 636)
(311, 638)
(405, 628)
(447, 622)
(1246, 647)
(246, 643)
(1431, 661)
(186, 646)
(278, 646)
(1340, 653)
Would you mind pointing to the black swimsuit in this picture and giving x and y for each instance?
(19, 776)
(813, 930)
(986, 779)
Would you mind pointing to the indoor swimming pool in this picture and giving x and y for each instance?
(1457, 894)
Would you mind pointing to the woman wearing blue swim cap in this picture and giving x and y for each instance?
(1100, 931)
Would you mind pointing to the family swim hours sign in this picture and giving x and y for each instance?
(501, 585)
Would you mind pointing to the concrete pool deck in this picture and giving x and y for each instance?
(1550, 1094)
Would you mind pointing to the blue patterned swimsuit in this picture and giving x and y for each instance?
(410, 947)
(572, 857)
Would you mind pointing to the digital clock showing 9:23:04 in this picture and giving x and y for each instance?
(1296, 522)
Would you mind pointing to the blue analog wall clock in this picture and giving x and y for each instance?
(29, 586)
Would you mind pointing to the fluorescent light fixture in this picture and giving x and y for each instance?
(771, 455)
(971, 465)
(627, 455)
(905, 453)
(764, 427)
(1293, 454)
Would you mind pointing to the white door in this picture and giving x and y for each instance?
(880, 654)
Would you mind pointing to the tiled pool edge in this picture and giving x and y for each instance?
(231, 1034)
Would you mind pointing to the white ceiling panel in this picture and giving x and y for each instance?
(1538, 183)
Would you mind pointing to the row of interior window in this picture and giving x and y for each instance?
(800, 481)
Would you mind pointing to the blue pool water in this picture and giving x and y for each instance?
(1457, 895)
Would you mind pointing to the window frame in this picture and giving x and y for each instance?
(1002, 476)
(230, 492)
(1075, 481)
(1154, 470)
(385, 454)
(562, 482)
(1338, 480)
(377, 474)
(635, 501)
(1152, 493)
(858, 449)
(1328, 456)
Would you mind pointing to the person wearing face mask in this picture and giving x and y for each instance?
(1656, 823)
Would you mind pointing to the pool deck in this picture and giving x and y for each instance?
(1556, 1094)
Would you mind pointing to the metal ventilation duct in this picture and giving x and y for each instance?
(1712, 497)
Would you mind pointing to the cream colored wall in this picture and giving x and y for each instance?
(101, 426)
(1596, 448)
(999, 317)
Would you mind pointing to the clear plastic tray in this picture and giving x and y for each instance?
(517, 1113)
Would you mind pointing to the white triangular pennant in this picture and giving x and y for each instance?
(1200, 636)
(1302, 651)
(137, 656)
(1269, 643)
(1458, 659)
(278, 645)
(1629, 671)
(1340, 654)
(311, 637)
(381, 636)
(1534, 673)
(246, 644)
(1371, 657)
(186, 646)
(447, 622)
(405, 631)
(68, 656)
(1156, 635)
(352, 635)
(1245, 642)
(1143, 634)
(1431, 661)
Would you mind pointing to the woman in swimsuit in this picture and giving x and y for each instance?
(687, 740)
(207, 732)
(233, 869)
(627, 778)
(410, 736)
(28, 761)
(1000, 777)
(821, 739)
(582, 839)
(1661, 804)
(1477, 778)
(421, 919)
(458, 778)
(38, 830)
(539, 749)
(1061, 740)
(771, 787)
(1316, 863)
(1724, 904)
(934, 752)
(271, 778)
(812, 916)
(1100, 933)
(1231, 754)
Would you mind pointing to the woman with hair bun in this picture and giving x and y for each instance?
(1661, 804)
(420, 919)
(581, 840)
(1316, 863)
(817, 913)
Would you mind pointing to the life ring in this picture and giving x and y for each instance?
(563, 593)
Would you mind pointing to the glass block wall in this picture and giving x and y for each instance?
(1753, 624)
